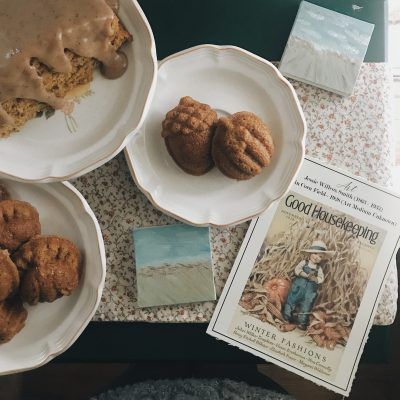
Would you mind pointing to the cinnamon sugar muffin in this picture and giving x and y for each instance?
(188, 130)
(19, 221)
(242, 145)
(12, 318)
(50, 267)
(4, 195)
(9, 277)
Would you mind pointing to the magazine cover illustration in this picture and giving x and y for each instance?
(306, 286)
(307, 280)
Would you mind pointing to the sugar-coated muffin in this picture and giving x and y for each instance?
(242, 145)
(19, 221)
(12, 318)
(9, 277)
(4, 195)
(50, 267)
(188, 130)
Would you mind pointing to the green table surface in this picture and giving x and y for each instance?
(260, 26)
(263, 27)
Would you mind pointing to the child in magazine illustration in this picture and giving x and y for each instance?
(304, 288)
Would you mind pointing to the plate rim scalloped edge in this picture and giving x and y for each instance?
(100, 242)
(122, 145)
(298, 108)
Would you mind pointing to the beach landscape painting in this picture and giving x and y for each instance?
(326, 48)
(173, 265)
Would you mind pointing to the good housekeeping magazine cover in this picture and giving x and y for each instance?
(306, 282)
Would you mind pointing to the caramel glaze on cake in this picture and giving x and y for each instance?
(49, 47)
(242, 145)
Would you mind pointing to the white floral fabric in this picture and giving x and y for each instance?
(352, 133)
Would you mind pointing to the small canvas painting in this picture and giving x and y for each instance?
(173, 265)
(326, 48)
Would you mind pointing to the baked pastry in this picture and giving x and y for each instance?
(12, 318)
(4, 195)
(9, 277)
(242, 145)
(50, 267)
(188, 130)
(19, 221)
(39, 74)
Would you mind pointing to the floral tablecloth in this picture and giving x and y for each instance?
(353, 133)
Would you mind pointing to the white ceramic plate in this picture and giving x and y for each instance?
(52, 150)
(229, 79)
(53, 327)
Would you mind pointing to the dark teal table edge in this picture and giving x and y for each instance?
(178, 24)
(259, 26)
(178, 342)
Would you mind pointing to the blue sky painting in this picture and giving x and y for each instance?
(170, 244)
(173, 265)
(326, 49)
(331, 30)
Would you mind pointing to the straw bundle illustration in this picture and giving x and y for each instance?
(339, 296)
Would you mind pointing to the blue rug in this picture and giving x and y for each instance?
(191, 389)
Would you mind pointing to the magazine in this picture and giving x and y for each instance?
(305, 285)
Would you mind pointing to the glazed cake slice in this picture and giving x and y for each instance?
(19, 110)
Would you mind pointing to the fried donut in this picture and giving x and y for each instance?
(242, 145)
(12, 318)
(9, 277)
(188, 130)
(4, 195)
(50, 267)
(19, 221)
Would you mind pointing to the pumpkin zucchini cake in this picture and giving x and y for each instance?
(50, 48)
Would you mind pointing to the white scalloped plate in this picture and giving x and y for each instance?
(53, 327)
(59, 149)
(229, 79)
